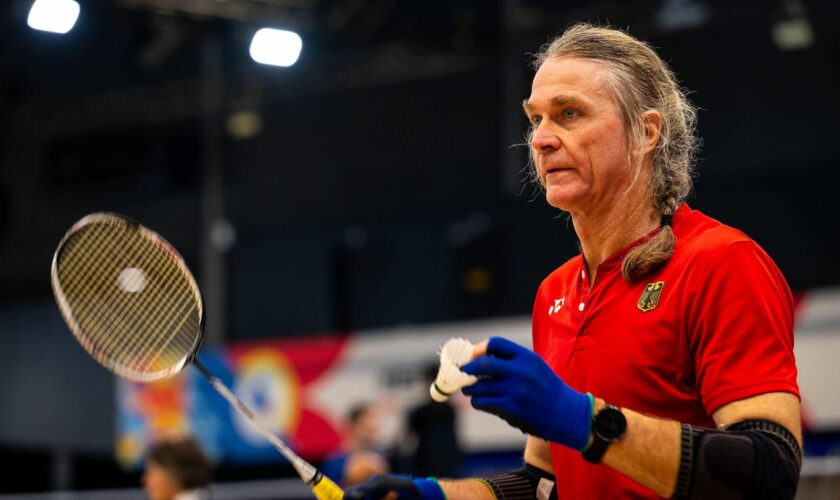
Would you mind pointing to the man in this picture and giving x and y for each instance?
(359, 458)
(176, 470)
(664, 351)
(432, 427)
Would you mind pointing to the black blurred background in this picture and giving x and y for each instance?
(378, 183)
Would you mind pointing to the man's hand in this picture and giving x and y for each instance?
(380, 486)
(517, 385)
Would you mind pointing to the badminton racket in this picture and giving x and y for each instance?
(131, 302)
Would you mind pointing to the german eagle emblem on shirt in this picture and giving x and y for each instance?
(650, 297)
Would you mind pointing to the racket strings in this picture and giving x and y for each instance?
(81, 259)
(169, 304)
(140, 349)
(156, 302)
(100, 316)
(177, 321)
(104, 313)
(115, 311)
(80, 287)
(178, 315)
(143, 330)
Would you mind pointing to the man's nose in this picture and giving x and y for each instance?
(544, 140)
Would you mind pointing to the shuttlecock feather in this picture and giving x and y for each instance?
(454, 354)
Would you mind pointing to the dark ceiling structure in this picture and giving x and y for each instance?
(396, 130)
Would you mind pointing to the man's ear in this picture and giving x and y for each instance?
(652, 121)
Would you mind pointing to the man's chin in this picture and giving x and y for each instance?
(561, 199)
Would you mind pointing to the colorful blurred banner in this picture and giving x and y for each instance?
(273, 378)
(303, 389)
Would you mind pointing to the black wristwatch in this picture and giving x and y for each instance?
(608, 425)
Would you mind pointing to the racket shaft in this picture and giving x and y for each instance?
(307, 473)
(322, 486)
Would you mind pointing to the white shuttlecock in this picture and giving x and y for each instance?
(454, 354)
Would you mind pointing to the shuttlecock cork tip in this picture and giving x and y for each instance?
(437, 394)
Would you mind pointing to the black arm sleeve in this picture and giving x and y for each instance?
(527, 483)
(753, 459)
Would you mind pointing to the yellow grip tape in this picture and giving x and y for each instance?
(326, 489)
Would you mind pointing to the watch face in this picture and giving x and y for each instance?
(610, 424)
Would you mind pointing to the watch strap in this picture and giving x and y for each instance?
(595, 452)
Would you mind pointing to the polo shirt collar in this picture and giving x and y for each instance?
(614, 261)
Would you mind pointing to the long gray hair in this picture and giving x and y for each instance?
(641, 81)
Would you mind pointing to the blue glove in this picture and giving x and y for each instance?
(516, 384)
(406, 488)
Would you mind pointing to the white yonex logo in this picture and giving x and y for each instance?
(558, 304)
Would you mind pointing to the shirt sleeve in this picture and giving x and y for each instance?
(741, 329)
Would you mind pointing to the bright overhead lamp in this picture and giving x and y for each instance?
(793, 34)
(276, 47)
(55, 16)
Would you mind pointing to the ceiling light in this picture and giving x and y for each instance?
(276, 47)
(793, 34)
(55, 16)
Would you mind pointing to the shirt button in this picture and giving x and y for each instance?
(583, 275)
(580, 307)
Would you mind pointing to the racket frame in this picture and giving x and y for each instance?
(67, 311)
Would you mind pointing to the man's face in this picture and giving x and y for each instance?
(158, 483)
(366, 428)
(578, 141)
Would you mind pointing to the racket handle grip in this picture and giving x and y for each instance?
(324, 488)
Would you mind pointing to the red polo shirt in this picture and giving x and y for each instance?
(711, 326)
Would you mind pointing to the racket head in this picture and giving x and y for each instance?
(128, 297)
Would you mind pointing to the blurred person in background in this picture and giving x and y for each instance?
(663, 353)
(360, 456)
(432, 429)
(177, 470)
